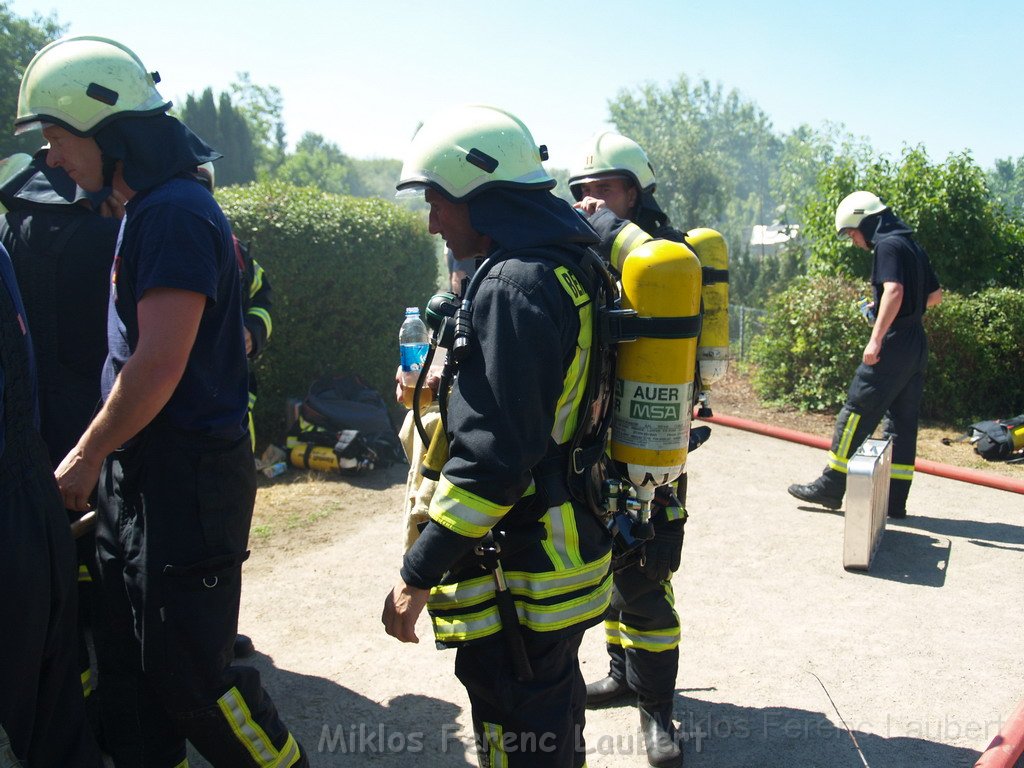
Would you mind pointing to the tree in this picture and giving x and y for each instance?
(222, 125)
(1006, 181)
(263, 108)
(20, 39)
(318, 163)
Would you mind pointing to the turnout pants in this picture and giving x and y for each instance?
(891, 389)
(175, 510)
(526, 725)
(642, 635)
(42, 709)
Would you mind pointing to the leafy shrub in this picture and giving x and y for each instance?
(343, 270)
(976, 364)
(811, 343)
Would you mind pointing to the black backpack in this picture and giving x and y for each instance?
(345, 404)
(997, 440)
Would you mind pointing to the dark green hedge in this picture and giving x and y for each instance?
(343, 270)
(813, 339)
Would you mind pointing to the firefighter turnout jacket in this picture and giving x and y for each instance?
(516, 399)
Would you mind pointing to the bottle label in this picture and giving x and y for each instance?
(413, 356)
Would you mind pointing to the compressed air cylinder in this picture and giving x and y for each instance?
(654, 377)
(713, 345)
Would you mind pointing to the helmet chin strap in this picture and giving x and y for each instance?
(109, 166)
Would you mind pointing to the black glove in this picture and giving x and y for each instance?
(661, 554)
(698, 436)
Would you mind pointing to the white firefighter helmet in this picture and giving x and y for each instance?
(609, 154)
(83, 82)
(467, 149)
(856, 207)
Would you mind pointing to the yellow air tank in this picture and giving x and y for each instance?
(713, 346)
(653, 405)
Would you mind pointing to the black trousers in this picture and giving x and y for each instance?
(526, 725)
(173, 528)
(642, 635)
(890, 389)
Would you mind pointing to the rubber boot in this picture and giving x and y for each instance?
(606, 690)
(660, 736)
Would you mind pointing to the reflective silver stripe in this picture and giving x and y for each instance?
(836, 463)
(562, 543)
(612, 635)
(902, 472)
(463, 512)
(494, 736)
(263, 316)
(655, 640)
(567, 412)
(252, 736)
(257, 279)
(539, 618)
(548, 618)
(532, 586)
(629, 237)
(843, 451)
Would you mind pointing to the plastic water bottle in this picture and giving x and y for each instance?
(413, 343)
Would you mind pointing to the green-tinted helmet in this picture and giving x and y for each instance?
(856, 207)
(467, 149)
(81, 83)
(609, 154)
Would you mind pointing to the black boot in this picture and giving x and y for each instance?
(819, 492)
(660, 736)
(243, 646)
(606, 690)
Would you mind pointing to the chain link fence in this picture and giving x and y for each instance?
(744, 324)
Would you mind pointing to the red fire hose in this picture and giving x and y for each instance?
(921, 465)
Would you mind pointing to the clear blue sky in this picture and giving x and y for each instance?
(944, 74)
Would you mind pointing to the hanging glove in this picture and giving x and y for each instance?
(698, 436)
(662, 553)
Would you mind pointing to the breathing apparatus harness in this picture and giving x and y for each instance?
(578, 469)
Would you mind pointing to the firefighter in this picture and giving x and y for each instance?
(42, 711)
(890, 378)
(62, 250)
(168, 449)
(511, 568)
(613, 183)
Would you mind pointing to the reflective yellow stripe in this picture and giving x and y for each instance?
(463, 512)
(263, 316)
(494, 736)
(83, 574)
(539, 618)
(257, 279)
(836, 463)
(675, 513)
(87, 682)
(629, 237)
(903, 472)
(567, 410)
(612, 635)
(182, 764)
(654, 640)
(253, 737)
(562, 543)
(847, 437)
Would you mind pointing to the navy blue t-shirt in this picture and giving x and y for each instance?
(899, 259)
(176, 236)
